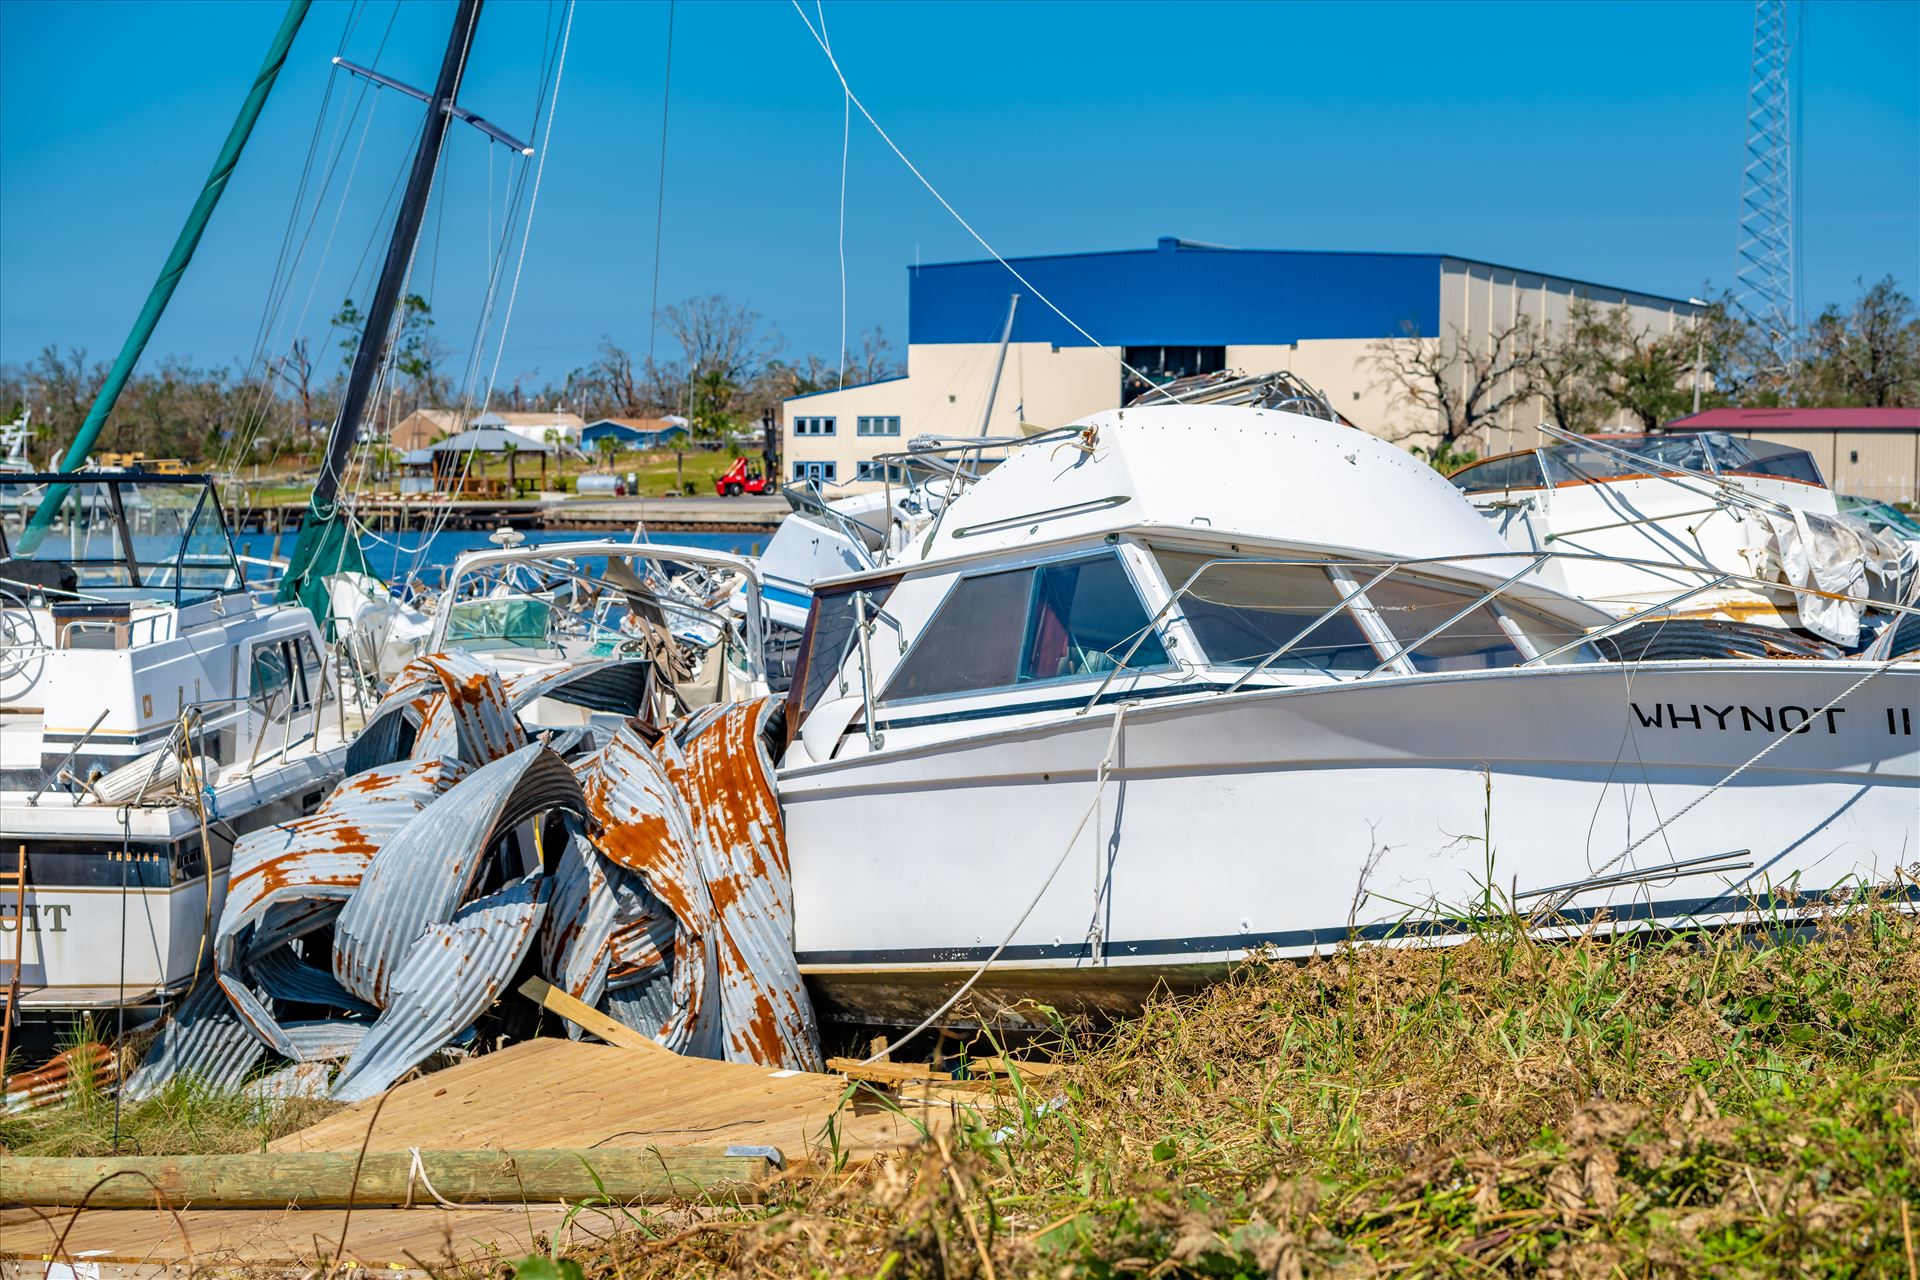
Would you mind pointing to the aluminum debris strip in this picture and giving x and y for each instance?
(648, 878)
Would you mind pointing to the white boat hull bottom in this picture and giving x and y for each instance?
(1287, 821)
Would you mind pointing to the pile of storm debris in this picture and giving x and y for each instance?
(642, 871)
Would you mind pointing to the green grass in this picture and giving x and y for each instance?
(184, 1118)
(1709, 1105)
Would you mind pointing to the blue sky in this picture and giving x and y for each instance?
(1600, 141)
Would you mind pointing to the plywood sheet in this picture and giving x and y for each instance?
(563, 1093)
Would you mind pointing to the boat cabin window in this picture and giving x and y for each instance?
(1410, 609)
(830, 636)
(283, 668)
(1063, 621)
(1240, 613)
(1511, 471)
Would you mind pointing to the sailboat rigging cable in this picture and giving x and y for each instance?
(934, 191)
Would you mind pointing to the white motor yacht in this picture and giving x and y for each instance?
(1651, 511)
(1120, 717)
(153, 708)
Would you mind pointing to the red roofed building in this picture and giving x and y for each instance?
(1873, 453)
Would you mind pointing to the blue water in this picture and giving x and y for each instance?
(393, 556)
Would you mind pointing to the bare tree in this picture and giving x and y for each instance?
(1462, 383)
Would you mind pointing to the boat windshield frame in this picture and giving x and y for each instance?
(1607, 459)
(562, 558)
(116, 502)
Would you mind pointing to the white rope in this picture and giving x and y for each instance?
(1553, 905)
(1100, 785)
(854, 98)
(417, 1171)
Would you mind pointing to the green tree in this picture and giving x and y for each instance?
(1564, 372)
(1644, 374)
(1868, 354)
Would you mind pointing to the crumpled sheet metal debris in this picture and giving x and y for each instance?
(201, 1038)
(641, 824)
(449, 979)
(727, 782)
(458, 847)
(422, 875)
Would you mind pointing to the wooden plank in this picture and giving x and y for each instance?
(1008, 1066)
(884, 1072)
(281, 1179)
(588, 1018)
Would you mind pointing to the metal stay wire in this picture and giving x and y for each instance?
(819, 38)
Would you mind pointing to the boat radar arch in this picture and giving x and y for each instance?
(1260, 474)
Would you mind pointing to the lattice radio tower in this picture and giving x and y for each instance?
(1763, 276)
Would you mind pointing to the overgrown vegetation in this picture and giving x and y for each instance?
(184, 1118)
(1711, 1105)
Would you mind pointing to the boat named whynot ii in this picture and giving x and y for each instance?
(1135, 723)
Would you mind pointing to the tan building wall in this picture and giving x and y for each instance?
(945, 394)
(1478, 300)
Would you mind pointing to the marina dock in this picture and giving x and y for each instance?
(744, 514)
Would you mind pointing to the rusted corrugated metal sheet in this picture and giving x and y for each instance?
(667, 901)
(641, 823)
(431, 865)
(201, 1038)
(727, 781)
(615, 686)
(448, 980)
(54, 1083)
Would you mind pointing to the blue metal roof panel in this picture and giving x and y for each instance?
(1181, 294)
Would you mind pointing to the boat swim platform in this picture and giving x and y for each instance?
(541, 1093)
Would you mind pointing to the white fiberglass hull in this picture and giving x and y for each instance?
(1284, 820)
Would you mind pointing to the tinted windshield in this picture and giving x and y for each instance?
(1764, 458)
(138, 537)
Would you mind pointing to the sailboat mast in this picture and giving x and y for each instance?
(406, 231)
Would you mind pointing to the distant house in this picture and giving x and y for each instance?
(634, 433)
(422, 427)
(555, 426)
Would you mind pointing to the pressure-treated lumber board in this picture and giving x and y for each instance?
(314, 1178)
(884, 1072)
(1010, 1066)
(585, 1016)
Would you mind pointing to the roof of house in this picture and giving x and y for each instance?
(642, 424)
(1828, 419)
(491, 440)
(1182, 292)
(554, 418)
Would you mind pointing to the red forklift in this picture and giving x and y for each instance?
(741, 478)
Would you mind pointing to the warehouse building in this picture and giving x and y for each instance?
(1866, 452)
(1179, 308)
